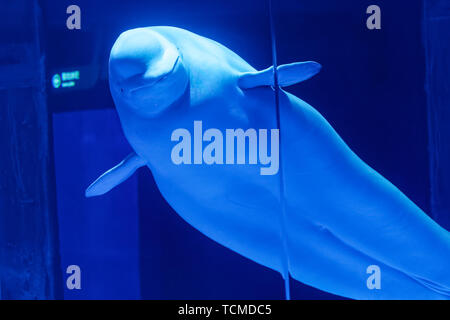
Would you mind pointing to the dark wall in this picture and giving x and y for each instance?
(29, 255)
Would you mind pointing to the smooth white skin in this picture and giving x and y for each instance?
(204, 195)
(342, 216)
(146, 72)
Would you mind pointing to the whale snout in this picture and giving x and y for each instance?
(146, 70)
(132, 53)
(141, 53)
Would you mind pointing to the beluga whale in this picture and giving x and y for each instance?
(203, 121)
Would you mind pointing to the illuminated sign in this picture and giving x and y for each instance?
(56, 81)
(65, 79)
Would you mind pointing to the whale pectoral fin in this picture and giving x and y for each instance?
(261, 78)
(115, 176)
(288, 74)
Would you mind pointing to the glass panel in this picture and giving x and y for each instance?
(370, 90)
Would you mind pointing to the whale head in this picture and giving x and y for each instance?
(146, 72)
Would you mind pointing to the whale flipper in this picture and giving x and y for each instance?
(115, 176)
(288, 74)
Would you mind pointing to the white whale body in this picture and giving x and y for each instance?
(340, 215)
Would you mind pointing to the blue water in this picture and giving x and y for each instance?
(100, 236)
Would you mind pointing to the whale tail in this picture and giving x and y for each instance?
(288, 74)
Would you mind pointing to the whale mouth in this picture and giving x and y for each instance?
(157, 80)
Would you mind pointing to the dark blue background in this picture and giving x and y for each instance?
(130, 243)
